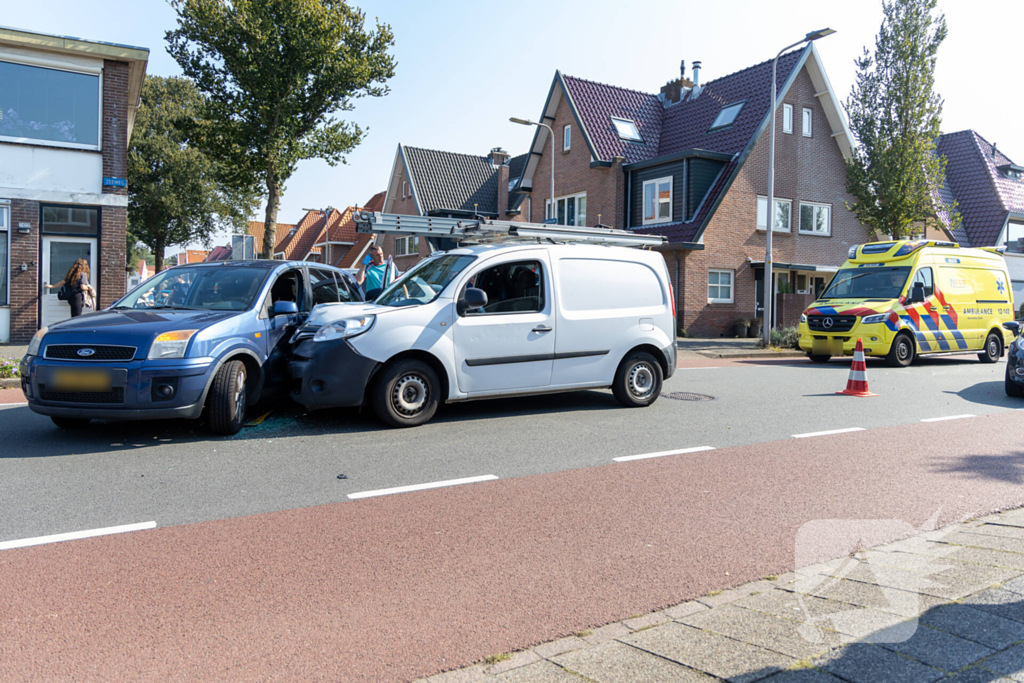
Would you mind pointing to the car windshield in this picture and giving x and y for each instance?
(210, 288)
(425, 281)
(868, 283)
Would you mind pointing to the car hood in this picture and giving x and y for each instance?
(323, 314)
(859, 307)
(131, 327)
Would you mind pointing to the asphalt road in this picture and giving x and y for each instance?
(173, 473)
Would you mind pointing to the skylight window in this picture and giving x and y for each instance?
(727, 115)
(626, 129)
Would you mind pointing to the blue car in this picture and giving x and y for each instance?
(1015, 361)
(206, 335)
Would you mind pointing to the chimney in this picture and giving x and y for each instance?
(696, 72)
(499, 157)
(673, 91)
(502, 190)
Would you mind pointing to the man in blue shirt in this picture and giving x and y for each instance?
(371, 275)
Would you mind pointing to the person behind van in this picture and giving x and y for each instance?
(371, 275)
(76, 287)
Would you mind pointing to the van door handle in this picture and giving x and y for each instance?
(542, 328)
(947, 307)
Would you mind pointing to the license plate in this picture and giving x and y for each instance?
(827, 347)
(80, 380)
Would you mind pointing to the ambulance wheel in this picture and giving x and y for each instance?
(819, 357)
(1013, 390)
(993, 349)
(638, 380)
(901, 354)
(406, 394)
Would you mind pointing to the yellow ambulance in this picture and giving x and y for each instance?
(911, 297)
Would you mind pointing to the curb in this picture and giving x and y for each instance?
(739, 355)
(10, 383)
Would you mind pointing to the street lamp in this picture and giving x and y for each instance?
(768, 288)
(528, 122)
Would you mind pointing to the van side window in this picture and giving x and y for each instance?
(923, 277)
(516, 287)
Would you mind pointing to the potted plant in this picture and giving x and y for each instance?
(754, 331)
(739, 328)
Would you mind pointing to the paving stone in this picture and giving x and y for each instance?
(541, 672)
(1017, 520)
(471, 674)
(608, 632)
(976, 675)
(851, 622)
(987, 556)
(1003, 530)
(1015, 585)
(684, 610)
(557, 647)
(936, 648)
(865, 663)
(614, 662)
(645, 621)
(1013, 545)
(1002, 603)
(517, 660)
(772, 633)
(860, 594)
(722, 598)
(973, 624)
(802, 676)
(950, 581)
(1009, 661)
(759, 586)
(714, 654)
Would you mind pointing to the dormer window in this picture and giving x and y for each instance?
(626, 129)
(1012, 171)
(727, 116)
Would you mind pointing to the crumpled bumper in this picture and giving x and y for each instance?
(329, 374)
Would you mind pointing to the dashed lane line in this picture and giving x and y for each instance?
(828, 432)
(421, 487)
(948, 417)
(76, 535)
(661, 454)
(13, 405)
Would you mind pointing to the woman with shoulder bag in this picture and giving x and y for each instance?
(75, 288)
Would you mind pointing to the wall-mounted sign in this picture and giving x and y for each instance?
(24, 227)
(115, 182)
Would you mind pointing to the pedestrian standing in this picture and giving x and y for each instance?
(372, 274)
(75, 287)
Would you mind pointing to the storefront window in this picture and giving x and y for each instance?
(70, 220)
(49, 105)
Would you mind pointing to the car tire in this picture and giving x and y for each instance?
(71, 422)
(819, 357)
(993, 349)
(227, 401)
(902, 352)
(638, 380)
(406, 393)
(1013, 390)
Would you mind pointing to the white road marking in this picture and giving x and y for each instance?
(830, 431)
(76, 535)
(421, 487)
(948, 417)
(13, 405)
(661, 454)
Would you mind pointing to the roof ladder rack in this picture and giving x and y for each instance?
(488, 231)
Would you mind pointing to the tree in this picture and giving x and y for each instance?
(175, 195)
(274, 73)
(895, 173)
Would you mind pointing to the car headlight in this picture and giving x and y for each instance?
(873, 319)
(37, 340)
(343, 329)
(803, 317)
(171, 344)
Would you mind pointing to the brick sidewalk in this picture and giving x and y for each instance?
(941, 605)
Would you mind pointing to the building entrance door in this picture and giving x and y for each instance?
(59, 253)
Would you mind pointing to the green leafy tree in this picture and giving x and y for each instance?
(894, 112)
(275, 72)
(175, 195)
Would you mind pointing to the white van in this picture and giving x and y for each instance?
(492, 321)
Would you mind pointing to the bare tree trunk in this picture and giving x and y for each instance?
(270, 220)
(158, 254)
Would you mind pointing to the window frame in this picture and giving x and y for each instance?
(787, 114)
(778, 200)
(913, 278)
(636, 129)
(807, 123)
(715, 126)
(732, 286)
(407, 242)
(567, 137)
(89, 207)
(815, 206)
(338, 286)
(55, 65)
(542, 294)
(405, 189)
(643, 200)
(5, 236)
(549, 213)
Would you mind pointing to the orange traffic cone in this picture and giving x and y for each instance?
(857, 385)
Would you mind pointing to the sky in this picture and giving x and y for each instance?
(463, 68)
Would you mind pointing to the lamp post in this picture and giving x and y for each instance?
(528, 122)
(768, 288)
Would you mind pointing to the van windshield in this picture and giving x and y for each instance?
(868, 283)
(425, 281)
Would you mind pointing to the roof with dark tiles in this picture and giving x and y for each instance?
(597, 103)
(983, 193)
(449, 180)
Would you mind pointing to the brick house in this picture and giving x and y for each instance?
(65, 121)
(691, 163)
(427, 182)
(989, 190)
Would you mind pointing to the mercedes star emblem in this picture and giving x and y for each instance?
(826, 323)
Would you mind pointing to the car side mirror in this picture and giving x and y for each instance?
(285, 308)
(372, 294)
(471, 298)
(1012, 326)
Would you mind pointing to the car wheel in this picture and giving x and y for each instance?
(818, 357)
(901, 354)
(638, 380)
(1013, 389)
(70, 422)
(993, 349)
(406, 394)
(227, 402)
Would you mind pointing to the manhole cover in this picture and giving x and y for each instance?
(688, 396)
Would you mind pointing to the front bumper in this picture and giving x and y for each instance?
(131, 396)
(876, 341)
(329, 374)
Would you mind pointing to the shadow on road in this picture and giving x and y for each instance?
(1008, 467)
(991, 393)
